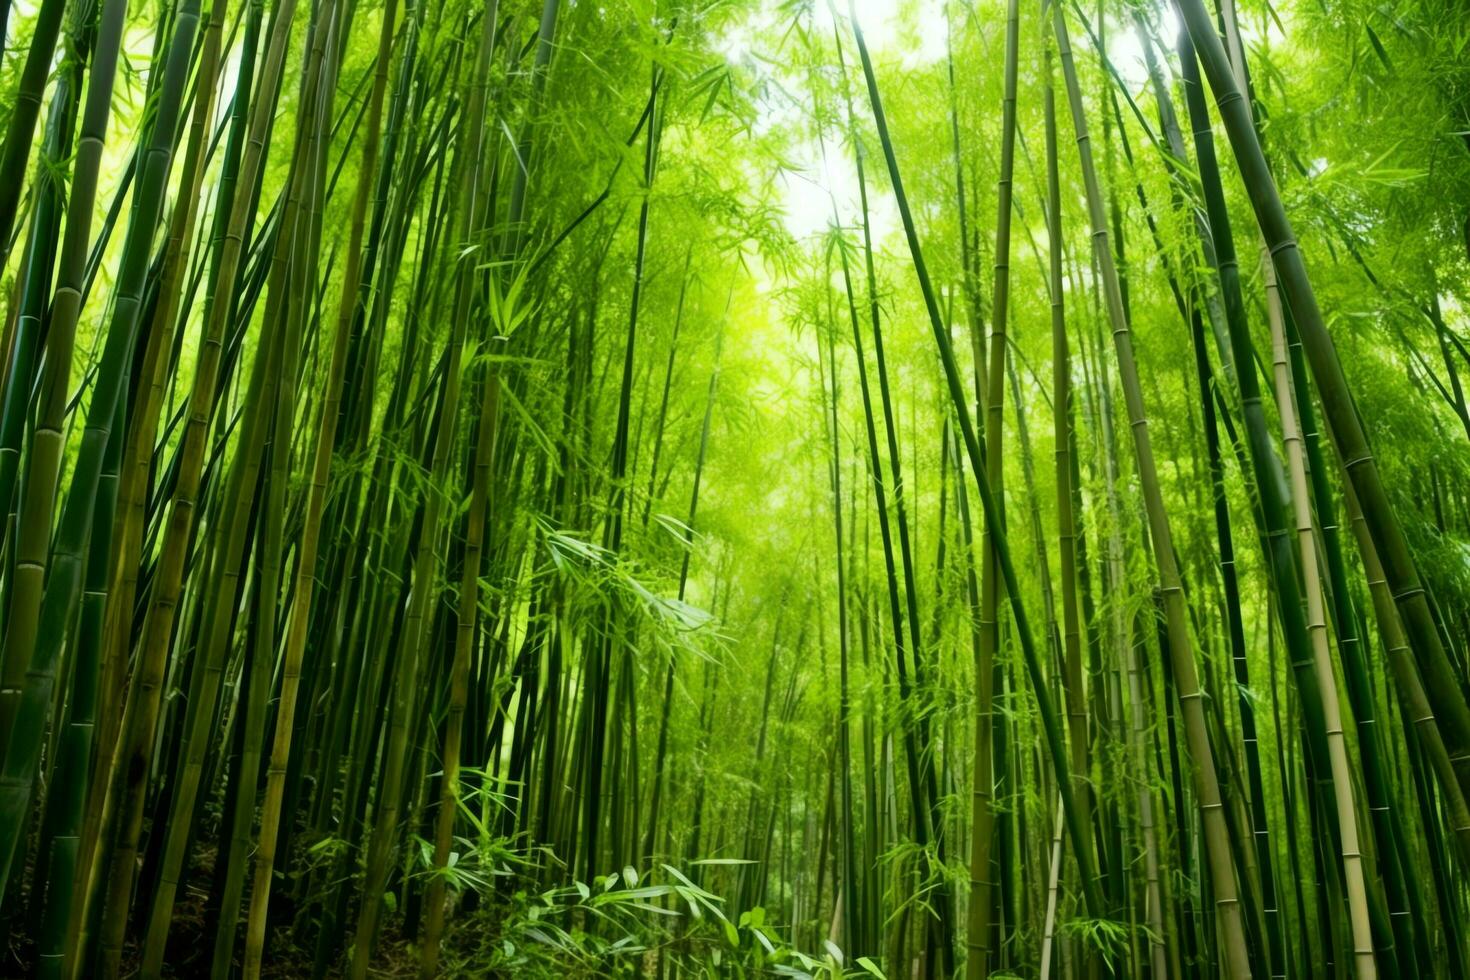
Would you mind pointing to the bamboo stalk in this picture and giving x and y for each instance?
(1207, 788)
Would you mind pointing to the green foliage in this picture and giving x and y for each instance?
(483, 487)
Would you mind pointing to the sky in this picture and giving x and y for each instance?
(912, 30)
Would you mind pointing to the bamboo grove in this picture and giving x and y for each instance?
(951, 488)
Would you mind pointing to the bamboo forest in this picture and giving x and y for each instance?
(873, 489)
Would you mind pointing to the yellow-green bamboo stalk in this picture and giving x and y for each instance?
(1181, 647)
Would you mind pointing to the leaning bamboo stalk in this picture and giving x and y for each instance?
(926, 793)
(260, 471)
(1303, 621)
(977, 964)
(53, 608)
(27, 339)
(352, 607)
(273, 382)
(304, 585)
(848, 910)
(1405, 912)
(24, 346)
(1349, 437)
(1066, 499)
(58, 873)
(923, 792)
(139, 453)
(1207, 787)
(145, 694)
(257, 663)
(1159, 948)
(21, 126)
(880, 497)
(177, 251)
(1352, 856)
(47, 442)
(1212, 225)
(425, 562)
(1053, 881)
(1050, 722)
(1269, 481)
(1407, 683)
